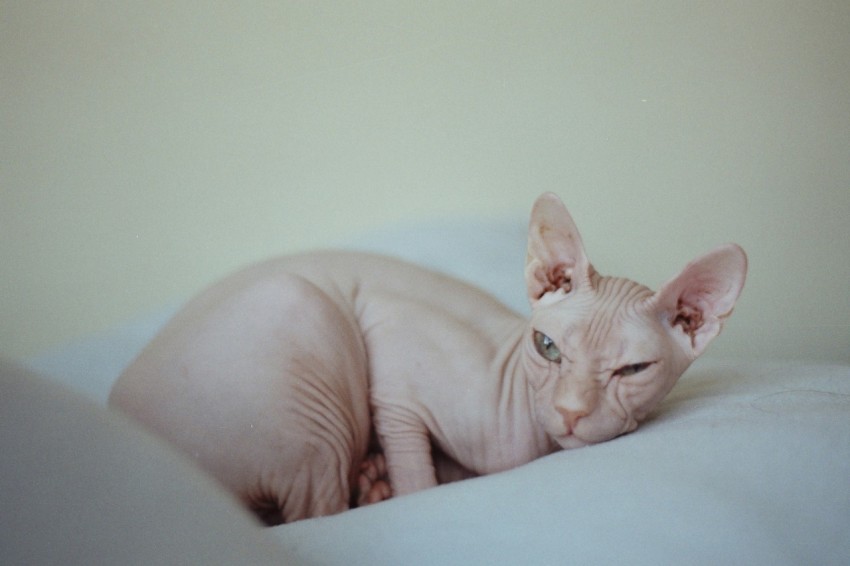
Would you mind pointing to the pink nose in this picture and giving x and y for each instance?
(571, 417)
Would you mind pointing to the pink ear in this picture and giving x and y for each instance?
(697, 301)
(556, 257)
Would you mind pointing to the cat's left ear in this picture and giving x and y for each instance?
(556, 261)
(696, 302)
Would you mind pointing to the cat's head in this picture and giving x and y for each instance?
(602, 352)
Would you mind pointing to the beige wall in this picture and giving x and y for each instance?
(148, 147)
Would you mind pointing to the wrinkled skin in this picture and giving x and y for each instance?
(292, 380)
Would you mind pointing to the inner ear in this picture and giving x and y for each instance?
(556, 260)
(688, 317)
(703, 295)
(559, 277)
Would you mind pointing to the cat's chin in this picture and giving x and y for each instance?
(570, 441)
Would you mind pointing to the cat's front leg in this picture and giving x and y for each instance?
(407, 448)
(448, 469)
(373, 483)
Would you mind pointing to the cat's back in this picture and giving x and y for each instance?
(361, 281)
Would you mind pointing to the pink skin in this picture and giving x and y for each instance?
(274, 379)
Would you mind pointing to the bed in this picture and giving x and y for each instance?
(745, 462)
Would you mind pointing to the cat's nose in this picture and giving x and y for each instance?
(571, 417)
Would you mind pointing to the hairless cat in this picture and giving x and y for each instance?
(311, 383)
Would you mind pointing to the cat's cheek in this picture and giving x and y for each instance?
(610, 420)
(623, 405)
(549, 419)
(541, 373)
(552, 422)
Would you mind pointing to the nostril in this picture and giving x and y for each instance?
(571, 417)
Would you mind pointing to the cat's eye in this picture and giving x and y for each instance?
(632, 369)
(546, 347)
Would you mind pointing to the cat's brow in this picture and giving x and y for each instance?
(616, 297)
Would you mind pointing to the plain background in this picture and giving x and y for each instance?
(150, 147)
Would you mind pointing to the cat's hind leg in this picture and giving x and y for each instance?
(373, 483)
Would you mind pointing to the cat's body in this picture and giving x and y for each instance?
(273, 378)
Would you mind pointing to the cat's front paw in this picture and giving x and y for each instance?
(373, 483)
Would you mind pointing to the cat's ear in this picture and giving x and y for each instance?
(556, 260)
(695, 303)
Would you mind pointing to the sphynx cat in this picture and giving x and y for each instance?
(311, 383)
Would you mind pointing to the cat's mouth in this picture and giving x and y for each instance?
(568, 439)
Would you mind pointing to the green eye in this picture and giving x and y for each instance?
(546, 347)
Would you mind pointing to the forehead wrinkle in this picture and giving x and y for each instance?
(617, 295)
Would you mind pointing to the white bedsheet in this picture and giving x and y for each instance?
(744, 462)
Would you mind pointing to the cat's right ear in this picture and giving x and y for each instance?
(556, 262)
(696, 302)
